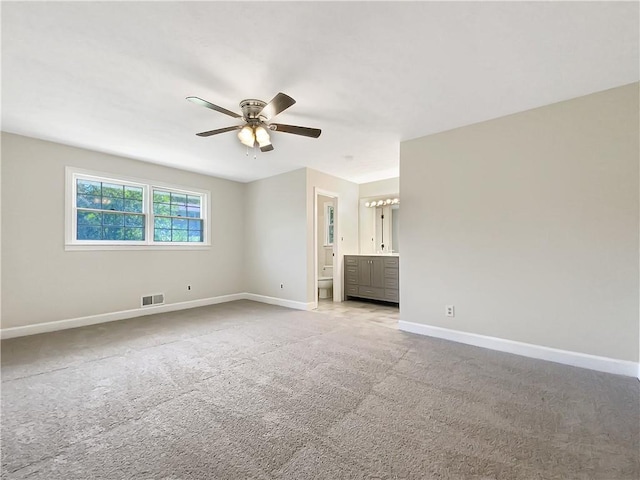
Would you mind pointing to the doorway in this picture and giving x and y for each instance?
(327, 285)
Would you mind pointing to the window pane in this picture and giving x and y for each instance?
(112, 190)
(178, 210)
(161, 209)
(160, 222)
(180, 236)
(195, 236)
(193, 200)
(133, 206)
(195, 225)
(134, 233)
(109, 203)
(113, 219)
(330, 234)
(113, 233)
(134, 220)
(162, 235)
(87, 187)
(133, 193)
(86, 232)
(179, 224)
(89, 218)
(86, 201)
(161, 197)
(193, 212)
(178, 198)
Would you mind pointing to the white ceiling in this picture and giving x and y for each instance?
(113, 76)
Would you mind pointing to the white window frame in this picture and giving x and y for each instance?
(328, 205)
(72, 243)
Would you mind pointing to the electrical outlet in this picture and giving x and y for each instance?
(450, 311)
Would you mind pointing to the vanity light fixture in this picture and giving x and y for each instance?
(381, 203)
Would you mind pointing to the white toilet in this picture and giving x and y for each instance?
(325, 282)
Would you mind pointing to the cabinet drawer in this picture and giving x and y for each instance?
(391, 261)
(350, 260)
(351, 269)
(391, 272)
(391, 295)
(391, 283)
(352, 290)
(371, 292)
(352, 279)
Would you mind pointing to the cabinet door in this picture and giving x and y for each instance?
(377, 272)
(364, 271)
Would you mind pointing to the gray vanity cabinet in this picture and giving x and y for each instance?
(371, 272)
(374, 277)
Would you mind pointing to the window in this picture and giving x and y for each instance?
(177, 216)
(108, 212)
(328, 223)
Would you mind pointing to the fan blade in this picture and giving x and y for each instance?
(204, 103)
(278, 104)
(305, 131)
(219, 130)
(266, 148)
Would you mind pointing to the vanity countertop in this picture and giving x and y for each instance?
(375, 255)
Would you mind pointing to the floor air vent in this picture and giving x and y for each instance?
(149, 300)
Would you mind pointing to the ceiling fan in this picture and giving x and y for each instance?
(256, 115)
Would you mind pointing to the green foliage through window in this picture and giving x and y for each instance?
(115, 212)
(109, 211)
(177, 217)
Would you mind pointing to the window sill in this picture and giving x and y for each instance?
(80, 248)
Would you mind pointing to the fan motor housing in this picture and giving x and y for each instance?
(251, 109)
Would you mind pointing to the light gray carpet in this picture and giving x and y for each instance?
(250, 391)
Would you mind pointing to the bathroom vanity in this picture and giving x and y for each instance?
(375, 277)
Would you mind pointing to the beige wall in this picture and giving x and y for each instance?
(275, 246)
(346, 239)
(42, 282)
(387, 186)
(529, 225)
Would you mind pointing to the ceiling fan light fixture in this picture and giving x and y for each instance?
(254, 114)
(247, 136)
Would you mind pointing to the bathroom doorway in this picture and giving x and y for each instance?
(328, 286)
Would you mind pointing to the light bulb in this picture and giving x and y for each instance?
(262, 137)
(246, 136)
(367, 204)
(395, 200)
(388, 201)
(380, 203)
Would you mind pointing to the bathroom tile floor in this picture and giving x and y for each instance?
(386, 315)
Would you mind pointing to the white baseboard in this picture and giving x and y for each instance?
(140, 312)
(576, 359)
(280, 301)
(113, 316)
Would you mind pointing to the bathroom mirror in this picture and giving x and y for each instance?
(379, 225)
